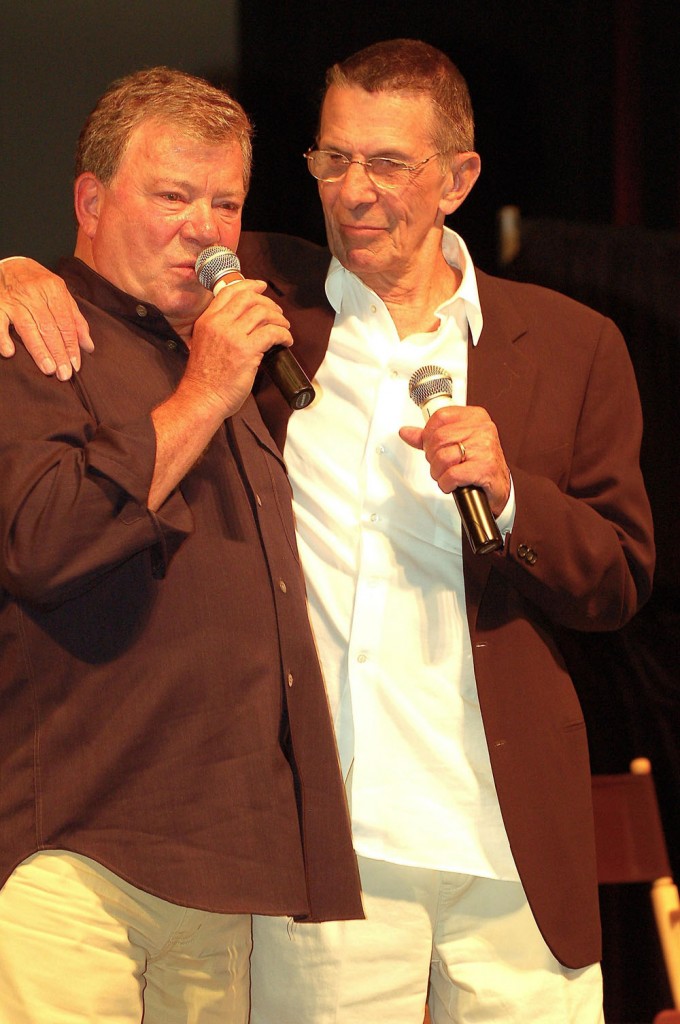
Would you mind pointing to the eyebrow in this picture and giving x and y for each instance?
(387, 153)
(188, 186)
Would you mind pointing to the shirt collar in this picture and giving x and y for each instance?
(86, 283)
(456, 255)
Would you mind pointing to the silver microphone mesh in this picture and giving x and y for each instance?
(429, 382)
(213, 263)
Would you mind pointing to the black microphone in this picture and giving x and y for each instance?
(431, 388)
(217, 267)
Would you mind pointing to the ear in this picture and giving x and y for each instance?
(88, 194)
(465, 170)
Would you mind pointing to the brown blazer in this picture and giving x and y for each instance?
(556, 379)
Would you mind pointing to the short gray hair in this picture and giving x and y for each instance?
(409, 65)
(198, 109)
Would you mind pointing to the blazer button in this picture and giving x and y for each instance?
(527, 553)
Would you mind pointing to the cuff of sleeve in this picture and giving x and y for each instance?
(127, 458)
(506, 520)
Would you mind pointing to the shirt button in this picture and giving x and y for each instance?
(282, 586)
(290, 679)
(141, 310)
(380, 450)
(171, 345)
(361, 658)
(374, 309)
(375, 518)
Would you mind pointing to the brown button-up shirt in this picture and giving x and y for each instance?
(161, 706)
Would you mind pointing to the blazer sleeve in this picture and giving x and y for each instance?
(582, 545)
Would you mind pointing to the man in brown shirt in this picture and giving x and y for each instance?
(166, 755)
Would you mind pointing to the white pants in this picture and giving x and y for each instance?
(78, 945)
(474, 939)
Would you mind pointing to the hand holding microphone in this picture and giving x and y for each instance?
(431, 388)
(217, 267)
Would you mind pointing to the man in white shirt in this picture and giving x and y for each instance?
(460, 735)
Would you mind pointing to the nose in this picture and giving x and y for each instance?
(356, 187)
(201, 224)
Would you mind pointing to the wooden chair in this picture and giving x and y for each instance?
(631, 847)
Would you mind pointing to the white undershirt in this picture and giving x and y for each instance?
(381, 550)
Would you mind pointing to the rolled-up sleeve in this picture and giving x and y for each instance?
(74, 492)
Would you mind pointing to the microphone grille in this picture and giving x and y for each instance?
(429, 382)
(213, 263)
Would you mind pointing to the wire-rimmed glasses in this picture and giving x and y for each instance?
(383, 171)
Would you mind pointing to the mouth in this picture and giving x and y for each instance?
(185, 269)
(361, 229)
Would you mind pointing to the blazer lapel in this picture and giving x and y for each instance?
(501, 379)
(295, 272)
(501, 376)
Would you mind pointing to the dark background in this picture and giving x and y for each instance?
(568, 99)
(578, 125)
(577, 105)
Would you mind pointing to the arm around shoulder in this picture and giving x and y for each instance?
(39, 306)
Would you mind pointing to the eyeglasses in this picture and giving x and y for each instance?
(325, 165)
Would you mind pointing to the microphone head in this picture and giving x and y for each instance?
(213, 263)
(430, 382)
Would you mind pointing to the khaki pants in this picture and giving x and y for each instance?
(78, 944)
(474, 939)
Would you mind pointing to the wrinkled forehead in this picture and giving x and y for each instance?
(163, 145)
(387, 115)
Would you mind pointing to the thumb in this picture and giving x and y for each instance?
(412, 436)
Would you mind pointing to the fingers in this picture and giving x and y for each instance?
(462, 446)
(247, 317)
(32, 337)
(229, 340)
(66, 335)
(44, 315)
(6, 343)
(55, 340)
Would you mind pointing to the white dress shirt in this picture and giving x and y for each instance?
(381, 547)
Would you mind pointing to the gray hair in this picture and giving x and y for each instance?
(199, 109)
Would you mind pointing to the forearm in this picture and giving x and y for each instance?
(184, 426)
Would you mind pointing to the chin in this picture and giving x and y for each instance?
(362, 260)
(186, 304)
